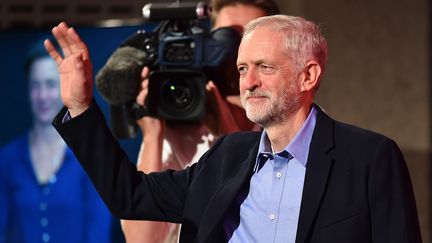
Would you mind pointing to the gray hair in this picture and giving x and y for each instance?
(303, 40)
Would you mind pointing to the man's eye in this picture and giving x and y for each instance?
(242, 70)
(266, 69)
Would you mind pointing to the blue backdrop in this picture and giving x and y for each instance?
(15, 117)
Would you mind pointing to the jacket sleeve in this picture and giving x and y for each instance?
(391, 198)
(128, 193)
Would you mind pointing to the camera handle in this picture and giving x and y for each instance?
(123, 124)
(139, 111)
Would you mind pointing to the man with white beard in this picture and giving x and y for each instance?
(304, 178)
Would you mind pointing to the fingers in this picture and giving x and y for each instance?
(213, 92)
(60, 33)
(210, 86)
(235, 100)
(69, 41)
(142, 95)
(145, 73)
(140, 100)
(76, 44)
(53, 52)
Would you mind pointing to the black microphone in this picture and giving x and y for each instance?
(118, 83)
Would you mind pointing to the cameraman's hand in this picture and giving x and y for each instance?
(75, 68)
(225, 115)
(218, 118)
(150, 126)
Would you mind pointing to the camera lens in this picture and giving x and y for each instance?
(177, 94)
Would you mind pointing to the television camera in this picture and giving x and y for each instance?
(183, 53)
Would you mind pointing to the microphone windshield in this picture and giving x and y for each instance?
(119, 80)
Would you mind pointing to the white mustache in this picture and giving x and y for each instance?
(255, 93)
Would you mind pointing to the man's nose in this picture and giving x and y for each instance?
(251, 79)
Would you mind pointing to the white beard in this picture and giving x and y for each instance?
(275, 108)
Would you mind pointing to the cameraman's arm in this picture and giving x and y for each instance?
(149, 160)
(153, 130)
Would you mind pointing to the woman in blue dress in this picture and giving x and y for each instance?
(45, 196)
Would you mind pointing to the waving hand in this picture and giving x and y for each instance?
(74, 66)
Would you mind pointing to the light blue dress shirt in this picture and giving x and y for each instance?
(271, 209)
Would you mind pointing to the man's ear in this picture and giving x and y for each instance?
(310, 76)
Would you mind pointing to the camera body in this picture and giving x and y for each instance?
(183, 54)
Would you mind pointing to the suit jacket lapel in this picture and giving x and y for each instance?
(317, 171)
(226, 194)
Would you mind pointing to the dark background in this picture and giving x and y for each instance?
(15, 113)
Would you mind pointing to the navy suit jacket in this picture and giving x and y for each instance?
(357, 186)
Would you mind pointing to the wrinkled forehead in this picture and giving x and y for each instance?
(260, 36)
(261, 44)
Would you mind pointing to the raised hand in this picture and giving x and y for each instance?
(75, 68)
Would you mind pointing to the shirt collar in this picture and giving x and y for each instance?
(298, 148)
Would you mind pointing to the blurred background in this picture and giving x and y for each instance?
(378, 76)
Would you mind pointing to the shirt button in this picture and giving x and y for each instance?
(43, 206)
(46, 191)
(45, 237)
(278, 175)
(272, 217)
(44, 222)
(53, 179)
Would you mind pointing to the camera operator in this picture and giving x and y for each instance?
(175, 145)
